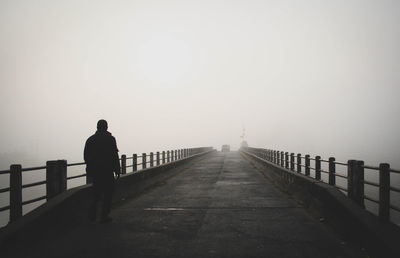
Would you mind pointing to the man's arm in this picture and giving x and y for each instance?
(87, 156)
(86, 151)
(117, 166)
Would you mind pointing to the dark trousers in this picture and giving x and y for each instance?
(103, 188)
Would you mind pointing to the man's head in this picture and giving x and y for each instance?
(102, 125)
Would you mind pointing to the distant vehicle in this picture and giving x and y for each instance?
(225, 148)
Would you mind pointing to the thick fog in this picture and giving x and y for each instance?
(318, 77)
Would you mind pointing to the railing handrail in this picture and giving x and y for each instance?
(355, 183)
(156, 159)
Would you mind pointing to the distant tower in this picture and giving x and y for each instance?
(244, 143)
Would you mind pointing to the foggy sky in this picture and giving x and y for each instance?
(318, 77)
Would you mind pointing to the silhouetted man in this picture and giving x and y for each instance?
(102, 161)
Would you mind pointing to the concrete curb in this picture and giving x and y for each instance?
(69, 209)
(345, 216)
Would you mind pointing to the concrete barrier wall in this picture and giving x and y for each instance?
(70, 209)
(334, 208)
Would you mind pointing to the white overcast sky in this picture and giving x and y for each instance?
(318, 77)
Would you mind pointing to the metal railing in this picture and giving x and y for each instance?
(56, 175)
(354, 177)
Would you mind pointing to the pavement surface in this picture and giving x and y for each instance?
(218, 207)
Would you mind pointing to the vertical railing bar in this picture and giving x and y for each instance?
(298, 162)
(123, 164)
(332, 171)
(318, 168)
(307, 165)
(134, 162)
(144, 160)
(163, 157)
(151, 159)
(15, 192)
(158, 158)
(384, 192)
(292, 161)
(286, 160)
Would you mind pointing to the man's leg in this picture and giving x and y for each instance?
(95, 199)
(106, 205)
(107, 199)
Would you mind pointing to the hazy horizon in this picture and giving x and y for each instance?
(313, 77)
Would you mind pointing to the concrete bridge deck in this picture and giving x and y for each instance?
(220, 206)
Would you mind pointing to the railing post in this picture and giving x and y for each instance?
(332, 171)
(318, 168)
(279, 158)
(158, 158)
(168, 156)
(176, 154)
(163, 157)
(278, 154)
(355, 181)
(298, 162)
(282, 158)
(307, 164)
(351, 165)
(292, 161)
(358, 187)
(134, 162)
(275, 157)
(384, 192)
(144, 161)
(56, 177)
(151, 159)
(123, 164)
(15, 192)
(286, 160)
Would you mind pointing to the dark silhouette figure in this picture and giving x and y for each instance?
(102, 161)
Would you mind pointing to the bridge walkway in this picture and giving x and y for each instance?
(218, 207)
